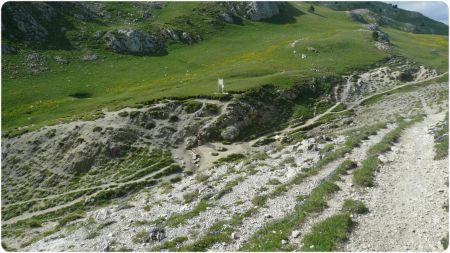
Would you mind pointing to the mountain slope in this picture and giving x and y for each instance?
(390, 16)
(245, 53)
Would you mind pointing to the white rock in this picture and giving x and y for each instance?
(295, 234)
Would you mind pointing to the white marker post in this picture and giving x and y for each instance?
(220, 85)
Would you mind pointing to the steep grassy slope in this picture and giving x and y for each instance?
(390, 16)
(431, 50)
(245, 55)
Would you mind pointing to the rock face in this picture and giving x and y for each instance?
(255, 10)
(130, 41)
(26, 23)
(6, 49)
(256, 110)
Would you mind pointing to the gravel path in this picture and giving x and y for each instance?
(285, 204)
(406, 206)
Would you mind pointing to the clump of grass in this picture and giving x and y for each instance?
(170, 245)
(327, 148)
(218, 232)
(289, 161)
(200, 177)
(354, 206)
(232, 158)
(123, 114)
(261, 156)
(92, 234)
(444, 242)
(190, 196)
(326, 235)
(228, 187)
(179, 218)
(340, 107)
(141, 237)
(259, 200)
(363, 176)
(441, 145)
(212, 108)
(70, 217)
(166, 186)
(191, 106)
(274, 181)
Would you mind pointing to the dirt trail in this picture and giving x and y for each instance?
(282, 205)
(406, 206)
(80, 199)
(357, 103)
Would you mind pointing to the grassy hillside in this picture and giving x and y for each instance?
(245, 55)
(391, 16)
(431, 50)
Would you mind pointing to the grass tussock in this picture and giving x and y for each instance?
(326, 235)
(441, 140)
(179, 218)
(354, 206)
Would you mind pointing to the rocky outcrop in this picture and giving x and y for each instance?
(254, 10)
(258, 110)
(130, 41)
(35, 63)
(26, 23)
(180, 36)
(6, 49)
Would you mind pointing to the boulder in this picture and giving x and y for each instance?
(295, 233)
(130, 41)
(230, 133)
(157, 234)
(187, 38)
(190, 142)
(225, 17)
(99, 34)
(255, 10)
(170, 34)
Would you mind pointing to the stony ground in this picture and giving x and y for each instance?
(406, 205)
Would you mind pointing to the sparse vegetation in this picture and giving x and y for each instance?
(364, 176)
(190, 196)
(326, 235)
(354, 206)
(179, 218)
(170, 245)
(441, 140)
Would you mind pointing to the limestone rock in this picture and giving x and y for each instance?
(255, 10)
(230, 133)
(130, 41)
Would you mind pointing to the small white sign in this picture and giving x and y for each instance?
(220, 85)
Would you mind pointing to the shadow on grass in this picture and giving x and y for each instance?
(287, 15)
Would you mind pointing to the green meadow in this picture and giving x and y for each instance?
(246, 55)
